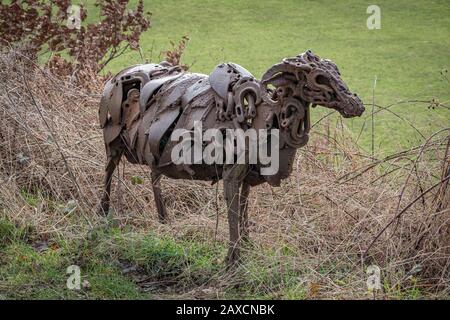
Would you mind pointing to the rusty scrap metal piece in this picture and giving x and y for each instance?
(226, 74)
(195, 90)
(151, 87)
(246, 89)
(172, 93)
(130, 107)
(142, 106)
(294, 127)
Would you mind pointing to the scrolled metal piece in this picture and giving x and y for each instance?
(292, 117)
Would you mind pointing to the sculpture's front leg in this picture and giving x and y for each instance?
(243, 210)
(159, 201)
(232, 180)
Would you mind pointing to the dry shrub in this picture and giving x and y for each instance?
(175, 53)
(320, 225)
(44, 26)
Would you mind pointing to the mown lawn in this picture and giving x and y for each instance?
(406, 55)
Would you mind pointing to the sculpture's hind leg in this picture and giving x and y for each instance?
(159, 201)
(243, 210)
(114, 156)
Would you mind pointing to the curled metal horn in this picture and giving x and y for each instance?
(268, 76)
(284, 67)
(277, 68)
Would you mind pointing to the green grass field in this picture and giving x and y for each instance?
(406, 55)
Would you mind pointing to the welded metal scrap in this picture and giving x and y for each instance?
(142, 106)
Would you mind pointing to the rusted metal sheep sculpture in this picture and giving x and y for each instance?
(143, 105)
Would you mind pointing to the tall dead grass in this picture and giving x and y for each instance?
(339, 212)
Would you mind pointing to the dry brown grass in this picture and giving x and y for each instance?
(321, 224)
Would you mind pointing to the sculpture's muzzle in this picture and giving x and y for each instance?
(350, 106)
